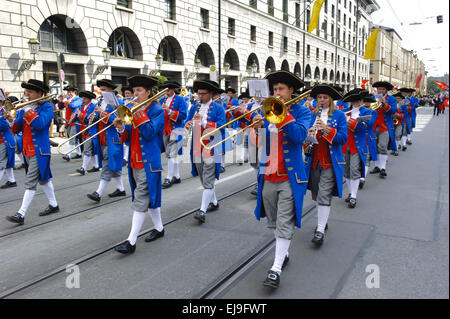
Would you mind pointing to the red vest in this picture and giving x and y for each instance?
(276, 169)
(321, 153)
(28, 146)
(135, 149)
(350, 143)
(82, 115)
(380, 121)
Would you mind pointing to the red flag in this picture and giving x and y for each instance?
(443, 86)
(363, 85)
(419, 78)
(445, 102)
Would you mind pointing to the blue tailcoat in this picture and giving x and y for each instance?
(371, 138)
(293, 137)
(179, 104)
(344, 105)
(339, 122)
(92, 131)
(151, 139)
(407, 117)
(8, 139)
(414, 104)
(216, 114)
(360, 134)
(392, 101)
(74, 106)
(39, 132)
(115, 147)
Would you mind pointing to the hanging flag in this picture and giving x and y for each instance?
(371, 45)
(419, 78)
(363, 85)
(443, 86)
(314, 22)
(445, 102)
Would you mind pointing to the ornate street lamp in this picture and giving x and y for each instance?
(106, 52)
(34, 45)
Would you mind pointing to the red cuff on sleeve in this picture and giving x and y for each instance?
(124, 136)
(105, 116)
(351, 124)
(174, 115)
(139, 118)
(211, 124)
(288, 119)
(329, 133)
(29, 116)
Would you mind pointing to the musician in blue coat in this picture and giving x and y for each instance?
(110, 145)
(71, 103)
(414, 105)
(355, 150)
(281, 178)
(370, 136)
(175, 110)
(7, 150)
(405, 107)
(203, 117)
(145, 135)
(34, 121)
(128, 96)
(324, 164)
(384, 126)
(91, 149)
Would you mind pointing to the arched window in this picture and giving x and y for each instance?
(170, 50)
(297, 70)
(331, 76)
(285, 65)
(252, 58)
(124, 43)
(270, 65)
(205, 54)
(55, 36)
(324, 75)
(317, 74)
(231, 58)
(308, 72)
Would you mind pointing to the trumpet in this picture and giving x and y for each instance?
(374, 106)
(11, 109)
(124, 113)
(274, 111)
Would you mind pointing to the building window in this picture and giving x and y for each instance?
(345, 19)
(297, 47)
(170, 9)
(325, 56)
(120, 45)
(345, 3)
(339, 59)
(124, 3)
(252, 33)
(308, 17)
(204, 15)
(297, 15)
(343, 62)
(271, 38)
(326, 6)
(325, 29)
(339, 15)
(332, 11)
(254, 4)
(285, 11)
(285, 44)
(350, 7)
(308, 51)
(231, 26)
(270, 7)
(317, 53)
(332, 58)
(332, 32)
(53, 35)
(338, 36)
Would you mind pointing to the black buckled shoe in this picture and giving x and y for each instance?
(222, 169)
(125, 248)
(50, 210)
(392, 152)
(9, 184)
(383, 173)
(167, 183)
(176, 180)
(76, 156)
(117, 193)
(352, 203)
(404, 148)
(318, 238)
(348, 198)
(395, 153)
(93, 170)
(66, 158)
(272, 279)
(212, 207)
(200, 216)
(81, 171)
(408, 142)
(17, 218)
(94, 196)
(361, 183)
(154, 235)
(376, 170)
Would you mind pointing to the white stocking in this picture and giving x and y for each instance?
(322, 217)
(138, 221)
(155, 214)
(50, 193)
(27, 199)
(101, 187)
(281, 250)
(10, 174)
(119, 183)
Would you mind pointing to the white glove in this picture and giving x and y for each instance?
(27, 108)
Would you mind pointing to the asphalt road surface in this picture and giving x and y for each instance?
(394, 244)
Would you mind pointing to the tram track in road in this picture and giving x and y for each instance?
(49, 274)
(242, 267)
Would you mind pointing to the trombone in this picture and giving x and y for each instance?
(12, 108)
(124, 113)
(274, 111)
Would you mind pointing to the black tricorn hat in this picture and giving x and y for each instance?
(399, 95)
(230, 90)
(325, 89)
(388, 86)
(88, 94)
(367, 97)
(339, 89)
(107, 83)
(70, 88)
(35, 85)
(244, 95)
(353, 95)
(12, 99)
(412, 90)
(404, 90)
(127, 88)
(285, 77)
(145, 81)
(209, 85)
(170, 84)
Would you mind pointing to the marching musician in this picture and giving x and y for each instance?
(7, 149)
(145, 135)
(34, 121)
(339, 103)
(175, 112)
(371, 139)
(414, 102)
(403, 122)
(91, 150)
(217, 98)
(281, 179)
(355, 149)
(325, 166)
(71, 103)
(18, 139)
(245, 104)
(110, 145)
(128, 96)
(309, 102)
(204, 116)
(384, 126)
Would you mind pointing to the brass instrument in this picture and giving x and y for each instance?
(183, 92)
(395, 122)
(310, 140)
(11, 109)
(274, 111)
(124, 113)
(374, 106)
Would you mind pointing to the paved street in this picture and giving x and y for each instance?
(399, 227)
